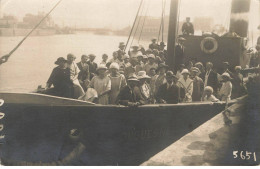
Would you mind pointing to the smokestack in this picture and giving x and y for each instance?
(239, 17)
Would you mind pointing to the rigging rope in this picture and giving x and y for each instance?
(139, 18)
(163, 18)
(144, 21)
(133, 24)
(5, 58)
(161, 29)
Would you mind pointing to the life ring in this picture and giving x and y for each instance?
(209, 45)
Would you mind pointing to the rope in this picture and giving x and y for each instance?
(144, 21)
(142, 8)
(133, 24)
(5, 58)
(163, 18)
(158, 38)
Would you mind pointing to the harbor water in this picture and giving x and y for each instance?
(33, 62)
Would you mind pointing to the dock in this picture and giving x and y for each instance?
(214, 142)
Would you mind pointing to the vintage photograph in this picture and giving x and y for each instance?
(129, 83)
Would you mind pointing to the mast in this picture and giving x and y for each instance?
(172, 34)
(240, 17)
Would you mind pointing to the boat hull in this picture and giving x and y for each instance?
(108, 135)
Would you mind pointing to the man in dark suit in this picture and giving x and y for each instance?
(84, 72)
(179, 53)
(187, 27)
(92, 65)
(210, 77)
(168, 93)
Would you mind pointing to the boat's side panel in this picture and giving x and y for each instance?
(111, 135)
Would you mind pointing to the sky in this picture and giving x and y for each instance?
(117, 14)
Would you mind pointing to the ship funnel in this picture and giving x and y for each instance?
(239, 17)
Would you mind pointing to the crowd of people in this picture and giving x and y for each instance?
(142, 77)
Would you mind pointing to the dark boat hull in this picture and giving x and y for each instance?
(109, 135)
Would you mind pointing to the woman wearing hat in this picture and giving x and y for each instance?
(60, 79)
(226, 88)
(130, 95)
(144, 86)
(187, 84)
(118, 81)
(140, 65)
(102, 84)
(161, 77)
(237, 82)
(151, 63)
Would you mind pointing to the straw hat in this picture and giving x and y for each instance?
(170, 74)
(226, 75)
(133, 78)
(238, 68)
(162, 65)
(185, 71)
(101, 66)
(142, 75)
(195, 69)
(151, 56)
(114, 65)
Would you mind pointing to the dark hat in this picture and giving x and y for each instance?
(92, 56)
(153, 39)
(60, 60)
(162, 44)
(133, 77)
(170, 74)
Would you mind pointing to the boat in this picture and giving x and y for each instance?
(40, 129)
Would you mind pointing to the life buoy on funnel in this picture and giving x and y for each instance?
(209, 45)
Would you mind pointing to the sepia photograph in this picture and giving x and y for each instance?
(129, 83)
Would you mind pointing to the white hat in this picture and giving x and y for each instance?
(142, 75)
(185, 71)
(139, 54)
(226, 75)
(194, 69)
(208, 88)
(101, 66)
(238, 68)
(114, 65)
(151, 56)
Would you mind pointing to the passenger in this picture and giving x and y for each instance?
(130, 70)
(120, 51)
(120, 61)
(118, 81)
(161, 49)
(92, 65)
(60, 79)
(226, 89)
(187, 84)
(161, 77)
(84, 72)
(153, 45)
(178, 74)
(187, 27)
(144, 86)
(155, 52)
(237, 82)
(198, 85)
(126, 61)
(130, 95)
(152, 83)
(140, 65)
(225, 68)
(201, 68)
(141, 49)
(179, 52)
(115, 57)
(168, 93)
(151, 63)
(210, 77)
(255, 57)
(102, 84)
(74, 72)
(134, 52)
(148, 51)
(208, 95)
(104, 59)
(145, 59)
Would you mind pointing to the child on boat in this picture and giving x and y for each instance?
(208, 95)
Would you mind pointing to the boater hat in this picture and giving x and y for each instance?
(185, 71)
(142, 75)
(133, 78)
(101, 66)
(60, 60)
(226, 75)
(170, 74)
(195, 69)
